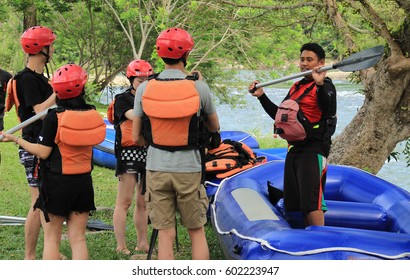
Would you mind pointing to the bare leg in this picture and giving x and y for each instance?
(52, 236)
(126, 186)
(141, 220)
(77, 224)
(200, 250)
(32, 227)
(315, 218)
(166, 239)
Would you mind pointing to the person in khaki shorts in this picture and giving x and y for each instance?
(167, 107)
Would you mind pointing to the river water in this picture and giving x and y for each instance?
(252, 118)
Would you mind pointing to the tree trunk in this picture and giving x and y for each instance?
(381, 123)
(30, 16)
(384, 119)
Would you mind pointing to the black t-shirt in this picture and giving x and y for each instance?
(32, 89)
(49, 130)
(123, 103)
(4, 78)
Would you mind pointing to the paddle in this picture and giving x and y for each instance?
(358, 61)
(27, 122)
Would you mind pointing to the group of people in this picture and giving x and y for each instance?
(164, 124)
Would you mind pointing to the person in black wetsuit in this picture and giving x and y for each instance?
(306, 160)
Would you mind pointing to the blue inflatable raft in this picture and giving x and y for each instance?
(367, 217)
(103, 153)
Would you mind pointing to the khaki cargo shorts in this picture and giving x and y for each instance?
(167, 192)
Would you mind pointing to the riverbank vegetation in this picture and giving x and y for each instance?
(104, 35)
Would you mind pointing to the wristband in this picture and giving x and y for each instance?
(17, 139)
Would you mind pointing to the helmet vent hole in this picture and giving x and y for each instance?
(170, 49)
(35, 44)
(68, 90)
(181, 48)
(77, 85)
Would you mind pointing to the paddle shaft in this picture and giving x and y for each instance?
(294, 76)
(27, 122)
(358, 61)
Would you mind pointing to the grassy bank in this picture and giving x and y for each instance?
(15, 199)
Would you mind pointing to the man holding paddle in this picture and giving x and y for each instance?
(306, 160)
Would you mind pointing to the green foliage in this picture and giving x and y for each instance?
(227, 35)
(393, 156)
(406, 152)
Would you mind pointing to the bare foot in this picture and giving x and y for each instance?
(123, 251)
(142, 248)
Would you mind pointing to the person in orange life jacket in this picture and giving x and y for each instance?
(34, 94)
(4, 79)
(64, 146)
(131, 158)
(306, 161)
(174, 165)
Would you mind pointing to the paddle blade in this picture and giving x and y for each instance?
(361, 60)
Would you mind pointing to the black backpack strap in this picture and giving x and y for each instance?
(153, 76)
(192, 77)
(305, 92)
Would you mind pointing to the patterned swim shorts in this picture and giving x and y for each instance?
(31, 164)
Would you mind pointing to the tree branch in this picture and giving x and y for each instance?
(123, 28)
(340, 24)
(145, 26)
(379, 25)
(398, 62)
(273, 8)
(404, 4)
(225, 36)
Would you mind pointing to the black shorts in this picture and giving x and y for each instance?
(304, 182)
(64, 194)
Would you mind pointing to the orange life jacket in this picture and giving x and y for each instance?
(11, 97)
(110, 111)
(229, 158)
(77, 133)
(172, 108)
(123, 130)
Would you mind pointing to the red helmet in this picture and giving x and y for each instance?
(68, 81)
(174, 43)
(139, 68)
(35, 38)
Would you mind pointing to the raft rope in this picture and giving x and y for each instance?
(266, 244)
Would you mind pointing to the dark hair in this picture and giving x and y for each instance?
(317, 49)
(76, 103)
(173, 61)
(131, 79)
